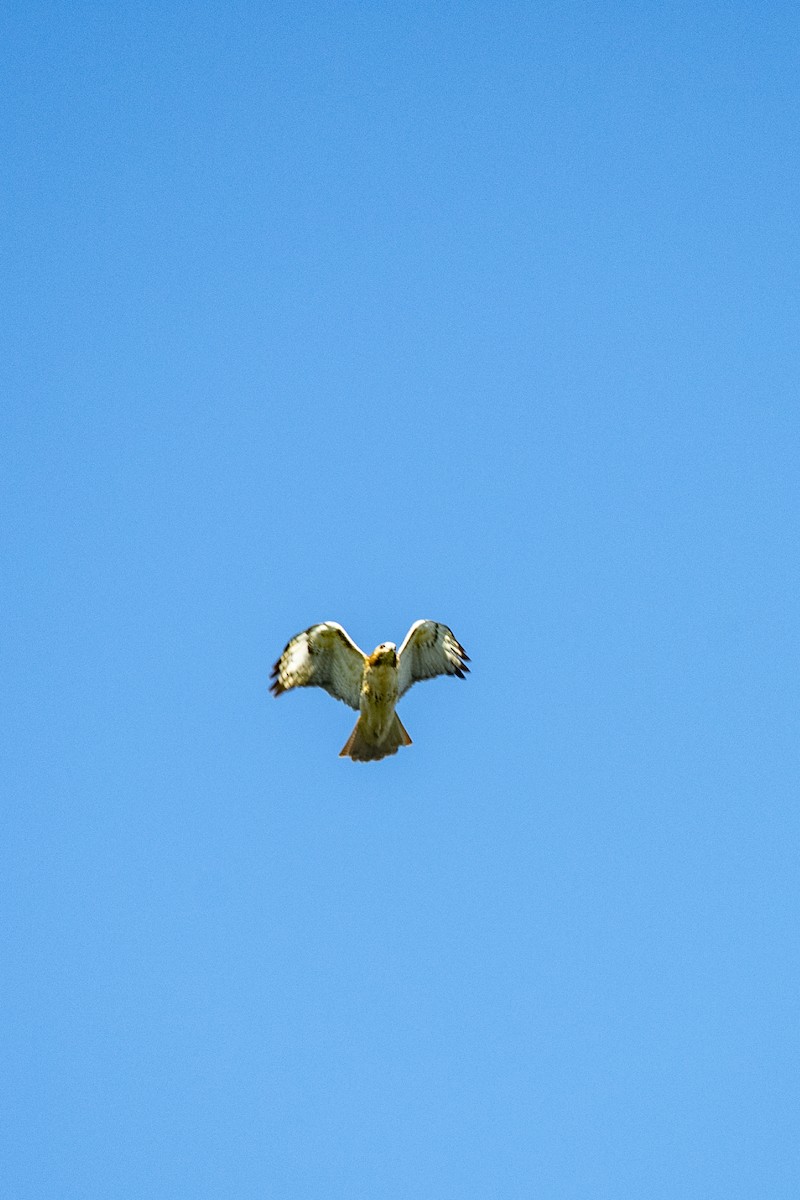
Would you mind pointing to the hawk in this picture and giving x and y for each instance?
(325, 656)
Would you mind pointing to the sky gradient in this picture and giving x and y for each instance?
(480, 313)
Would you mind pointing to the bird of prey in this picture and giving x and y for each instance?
(325, 656)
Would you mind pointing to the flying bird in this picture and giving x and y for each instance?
(326, 656)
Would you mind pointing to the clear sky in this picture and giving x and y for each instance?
(482, 312)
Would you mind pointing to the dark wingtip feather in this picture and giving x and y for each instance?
(462, 669)
(276, 687)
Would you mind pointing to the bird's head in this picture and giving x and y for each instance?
(384, 655)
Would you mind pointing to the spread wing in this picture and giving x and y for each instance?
(429, 649)
(322, 656)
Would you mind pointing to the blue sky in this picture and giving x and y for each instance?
(358, 312)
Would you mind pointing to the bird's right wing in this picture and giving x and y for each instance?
(429, 649)
(322, 656)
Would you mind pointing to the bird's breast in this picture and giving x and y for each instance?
(379, 693)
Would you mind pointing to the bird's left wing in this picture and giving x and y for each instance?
(322, 656)
(429, 649)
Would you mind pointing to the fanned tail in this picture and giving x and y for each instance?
(359, 747)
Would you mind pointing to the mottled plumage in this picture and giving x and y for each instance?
(325, 656)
